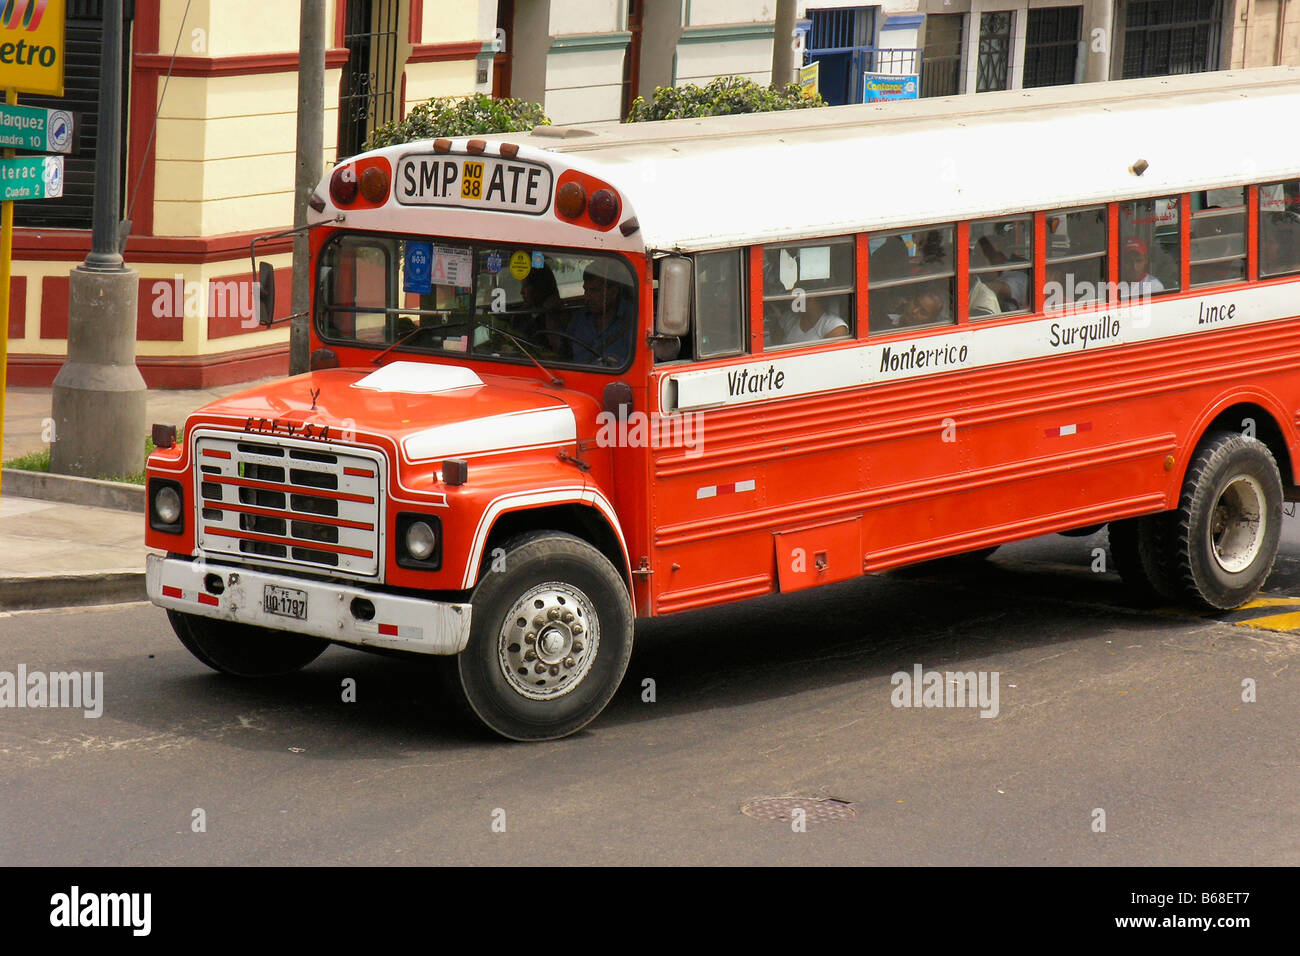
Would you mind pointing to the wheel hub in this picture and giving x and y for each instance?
(1236, 528)
(548, 641)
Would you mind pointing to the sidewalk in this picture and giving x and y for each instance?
(57, 548)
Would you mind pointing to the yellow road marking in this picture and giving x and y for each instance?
(1270, 602)
(1276, 622)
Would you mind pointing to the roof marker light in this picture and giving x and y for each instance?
(509, 150)
(571, 200)
(442, 145)
(629, 226)
(476, 146)
(374, 185)
(603, 207)
(343, 185)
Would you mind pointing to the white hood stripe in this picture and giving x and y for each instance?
(531, 428)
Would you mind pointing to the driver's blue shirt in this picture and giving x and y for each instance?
(611, 347)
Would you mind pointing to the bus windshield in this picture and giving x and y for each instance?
(447, 296)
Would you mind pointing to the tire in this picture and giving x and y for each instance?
(1125, 558)
(242, 650)
(1226, 530)
(585, 619)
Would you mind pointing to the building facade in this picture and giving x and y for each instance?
(211, 98)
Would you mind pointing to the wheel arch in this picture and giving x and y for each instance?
(1230, 413)
(585, 514)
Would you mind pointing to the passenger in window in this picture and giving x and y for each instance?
(543, 308)
(820, 320)
(983, 300)
(1135, 264)
(1011, 286)
(602, 330)
(928, 306)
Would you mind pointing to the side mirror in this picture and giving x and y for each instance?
(676, 288)
(266, 293)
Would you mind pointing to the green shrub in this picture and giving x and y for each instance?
(460, 116)
(723, 96)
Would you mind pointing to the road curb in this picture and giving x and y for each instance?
(25, 592)
(118, 495)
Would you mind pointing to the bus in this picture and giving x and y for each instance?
(566, 379)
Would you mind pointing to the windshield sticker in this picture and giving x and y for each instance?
(520, 265)
(493, 262)
(452, 265)
(418, 275)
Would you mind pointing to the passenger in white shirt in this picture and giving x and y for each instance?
(820, 321)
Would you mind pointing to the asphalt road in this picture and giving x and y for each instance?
(1102, 705)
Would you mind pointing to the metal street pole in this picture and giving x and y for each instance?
(99, 394)
(310, 146)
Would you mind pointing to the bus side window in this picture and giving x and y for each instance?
(911, 287)
(1001, 266)
(1076, 273)
(719, 303)
(1218, 249)
(808, 292)
(1279, 228)
(1149, 247)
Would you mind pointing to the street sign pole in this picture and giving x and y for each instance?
(6, 258)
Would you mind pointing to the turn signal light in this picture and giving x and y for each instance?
(374, 185)
(343, 186)
(571, 200)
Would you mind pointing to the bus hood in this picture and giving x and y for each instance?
(431, 411)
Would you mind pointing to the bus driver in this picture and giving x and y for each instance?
(602, 330)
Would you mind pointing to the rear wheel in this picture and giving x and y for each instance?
(550, 638)
(1229, 521)
(242, 650)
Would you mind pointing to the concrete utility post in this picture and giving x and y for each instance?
(783, 43)
(311, 144)
(99, 395)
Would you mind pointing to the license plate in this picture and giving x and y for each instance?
(286, 602)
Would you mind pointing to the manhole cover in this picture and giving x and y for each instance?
(816, 809)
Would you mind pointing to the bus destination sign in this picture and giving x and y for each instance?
(473, 182)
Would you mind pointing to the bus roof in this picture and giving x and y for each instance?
(737, 180)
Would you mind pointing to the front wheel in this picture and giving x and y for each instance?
(243, 650)
(550, 639)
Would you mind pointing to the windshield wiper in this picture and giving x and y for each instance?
(551, 376)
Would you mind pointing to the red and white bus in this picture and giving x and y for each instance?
(566, 379)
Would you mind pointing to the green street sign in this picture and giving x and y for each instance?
(31, 177)
(35, 129)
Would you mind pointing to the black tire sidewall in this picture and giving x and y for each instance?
(1230, 458)
(245, 650)
(530, 561)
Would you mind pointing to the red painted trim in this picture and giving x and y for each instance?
(1252, 234)
(401, 106)
(756, 300)
(417, 21)
(1112, 252)
(144, 102)
(17, 307)
(340, 21)
(249, 65)
(1185, 241)
(444, 52)
(1040, 262)
(961, 275)
(55, 295)
(71, 245)
(168, 371)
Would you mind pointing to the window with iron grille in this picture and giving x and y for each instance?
(81, 72)
(1170, 37)
(841, 41)
(995, 51)
(368, 91)
(942, 75)
(1051, 46)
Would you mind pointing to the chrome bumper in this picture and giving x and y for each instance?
(402, 623)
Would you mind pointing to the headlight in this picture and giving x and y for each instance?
(167, 505)
(420, 541)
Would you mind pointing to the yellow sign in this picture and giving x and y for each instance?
(31, 46)
(808, 79)
(520, 265)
